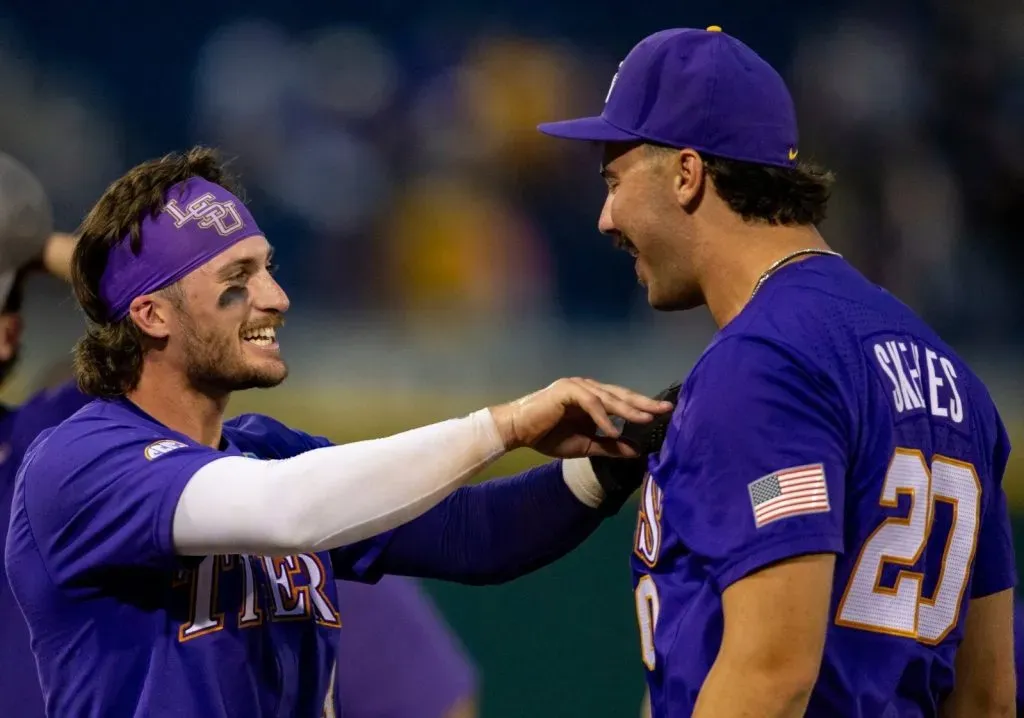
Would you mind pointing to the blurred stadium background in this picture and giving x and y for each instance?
(440, 254)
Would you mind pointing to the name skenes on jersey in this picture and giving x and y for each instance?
(826, 417)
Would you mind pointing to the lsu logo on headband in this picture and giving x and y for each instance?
(174, 241)
(207, 212)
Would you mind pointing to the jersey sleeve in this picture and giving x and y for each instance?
(268, 438)
(102, 496)
(994, 563)
(755, 465)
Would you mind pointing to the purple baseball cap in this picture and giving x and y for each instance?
(701, 89)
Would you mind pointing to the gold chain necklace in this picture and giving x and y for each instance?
(789, 258)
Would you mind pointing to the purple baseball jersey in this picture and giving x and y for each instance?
(19, 426)
(122, 626)
(826, 418)
(396, 658)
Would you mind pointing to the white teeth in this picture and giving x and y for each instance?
(266, 335)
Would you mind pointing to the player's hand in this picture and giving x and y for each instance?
(573, 417)
(619, 478)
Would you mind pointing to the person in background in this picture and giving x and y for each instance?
(396, 656)
(27, 244)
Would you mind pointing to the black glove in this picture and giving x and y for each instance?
(621, 477)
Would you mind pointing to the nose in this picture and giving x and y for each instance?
(605, 224)
(269, 296)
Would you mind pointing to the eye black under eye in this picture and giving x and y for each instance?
(234, 294)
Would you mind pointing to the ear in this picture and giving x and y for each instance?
(152, 314)
(689, 180)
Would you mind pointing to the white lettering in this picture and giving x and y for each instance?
(934, 382)
(250, 614)
(280, 571)
(956, 407)
(205, 618)
(912, 377)
(207, 212)
(325, 612)
(611, 87)
(915, 373)
(285, 588)
(647, 543)
(883, 361)
(909, 376)
(910, 397)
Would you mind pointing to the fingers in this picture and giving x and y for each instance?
(623, 403)
(591, 403)
(635, 400)
(622, 408)
(599, 403)
(613, 448)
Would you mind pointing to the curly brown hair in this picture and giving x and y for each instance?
(107, 360)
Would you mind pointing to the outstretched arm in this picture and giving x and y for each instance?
(143, 501)
(338, 495)
(502, 529)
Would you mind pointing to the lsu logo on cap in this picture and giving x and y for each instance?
(611, 87)
(159, 448)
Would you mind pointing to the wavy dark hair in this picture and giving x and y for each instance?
(107, 360)
(777, 195)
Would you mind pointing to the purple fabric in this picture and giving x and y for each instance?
(20, 694)
(822, 368)
(199, 221)
(396, 656)
(695, 88)
(493, 532)
(121, 626)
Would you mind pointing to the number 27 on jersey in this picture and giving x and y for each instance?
(903, 610)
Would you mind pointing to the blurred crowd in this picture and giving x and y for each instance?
(400, 173)
(919, 108)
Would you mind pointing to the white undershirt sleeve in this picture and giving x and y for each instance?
(329, 497)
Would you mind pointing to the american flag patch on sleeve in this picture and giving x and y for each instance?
(790, 492)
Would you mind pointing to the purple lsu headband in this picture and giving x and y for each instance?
(199, 221)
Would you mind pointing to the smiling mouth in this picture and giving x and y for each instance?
(261, 337)
(626, 246)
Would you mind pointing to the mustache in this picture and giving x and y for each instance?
(620, 241)
(274, 322)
